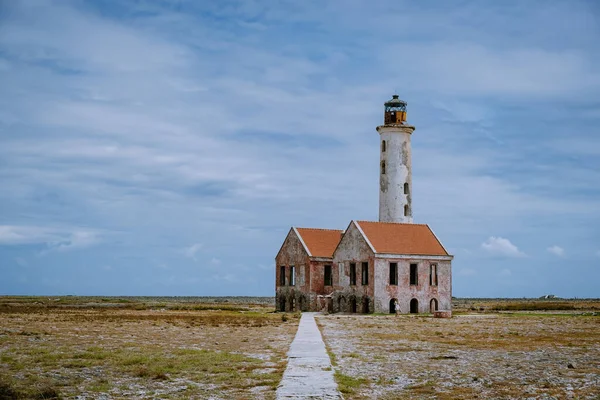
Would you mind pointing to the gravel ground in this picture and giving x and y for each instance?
(503, 356)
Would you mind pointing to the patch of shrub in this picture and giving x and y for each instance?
(46, 393)
(7, 392)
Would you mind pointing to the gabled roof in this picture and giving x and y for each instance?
(398, 238)
(320, 242)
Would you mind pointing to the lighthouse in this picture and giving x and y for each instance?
(395, 172)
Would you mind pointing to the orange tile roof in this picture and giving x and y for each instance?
(397, 238)
(320, 242)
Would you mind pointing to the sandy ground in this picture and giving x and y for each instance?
(505, 356)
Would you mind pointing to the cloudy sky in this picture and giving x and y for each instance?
(166, 147)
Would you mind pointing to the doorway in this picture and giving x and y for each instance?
(433, 305)
(414, 306)
(393, 306)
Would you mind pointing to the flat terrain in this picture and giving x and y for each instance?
(100, 348)
(235, 348)
(483, 354)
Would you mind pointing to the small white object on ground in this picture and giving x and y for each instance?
(309, 373)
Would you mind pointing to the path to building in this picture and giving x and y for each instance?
(309, 373)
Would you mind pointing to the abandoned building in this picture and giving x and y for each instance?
(370, 266)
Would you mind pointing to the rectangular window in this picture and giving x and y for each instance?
(413, 274)
(292, 275)
(353, 273)
(393, 273)
(433, 275)
(365, 273)
(282, 275)
(327, 275)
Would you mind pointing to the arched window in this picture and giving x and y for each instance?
(383, 146)
(406, 188)
(383, 168)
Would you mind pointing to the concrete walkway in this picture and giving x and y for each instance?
(309, 373)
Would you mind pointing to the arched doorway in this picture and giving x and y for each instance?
(393, 306)
(341, 304)
(414, 306)
(282, 303)
(353, 304)
(366, 305)
(433, 305)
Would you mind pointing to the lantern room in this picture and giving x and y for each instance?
(395, 111)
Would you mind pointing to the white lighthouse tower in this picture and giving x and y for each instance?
(395, 175)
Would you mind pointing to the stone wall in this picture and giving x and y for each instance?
(404, 292)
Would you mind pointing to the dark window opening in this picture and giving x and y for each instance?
(433, 280)
(433, 305)
(393, 273)
(414, 306)
(352, 273)
(353, 304)
(383, 168)
(406, 188)
(366, 309)
(327, 275)
(406, 210)
(383, 146)
(413, 274)
(292, 275)
(282, 275)
(365, 273)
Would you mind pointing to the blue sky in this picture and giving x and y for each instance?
(166, 147)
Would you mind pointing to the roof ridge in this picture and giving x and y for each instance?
(320, 229)
(395, 223)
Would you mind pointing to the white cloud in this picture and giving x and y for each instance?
(13, 234)
(77, 239)
(59, 239)
(556, 250)
(191, 251)
(220, 135)
(215, 261)
(501, 246)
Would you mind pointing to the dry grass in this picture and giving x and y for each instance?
(142, 350)
(487, 355)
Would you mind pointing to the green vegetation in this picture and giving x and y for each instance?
(174, 348)
(348, 384)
